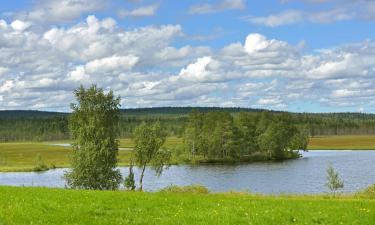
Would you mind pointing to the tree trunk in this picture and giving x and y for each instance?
(141, 179)
(193, 150)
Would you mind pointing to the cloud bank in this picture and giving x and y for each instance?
(39, 69)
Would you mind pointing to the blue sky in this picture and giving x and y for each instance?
(296, 55)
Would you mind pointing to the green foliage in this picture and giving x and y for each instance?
(40, 164)
(219, 136)
(192, 189)
(129, 182)
(148, 141)
(334, 181)
(94, 130)
(368, 192)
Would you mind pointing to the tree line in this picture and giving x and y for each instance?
(46, 126)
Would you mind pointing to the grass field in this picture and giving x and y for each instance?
(346, 142)
(22, 156)
(58, 206)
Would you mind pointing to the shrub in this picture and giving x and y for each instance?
(129, 182)
(334, 181)
(194, 189)
(40, 164)
(368, 192)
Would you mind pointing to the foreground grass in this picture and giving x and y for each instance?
(345, 142)
(58, 206)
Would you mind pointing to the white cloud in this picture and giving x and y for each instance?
(39, 69)
(297, 16)
(256, 42)
(274, 20)
(111, 64)
(55, 11)
(78, 74)
(145, 11)
(223, 5)
(333, 11)
(19, 25)
(197, 71)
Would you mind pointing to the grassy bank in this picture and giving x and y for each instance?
(22, 156)
(345, 142)
(58, 206)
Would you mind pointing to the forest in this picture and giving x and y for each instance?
(23, 125)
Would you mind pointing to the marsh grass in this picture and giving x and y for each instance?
(343, 142)
(20, 156)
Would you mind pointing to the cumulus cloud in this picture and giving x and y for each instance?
(39, 69)
(218, 7)
(19, 25)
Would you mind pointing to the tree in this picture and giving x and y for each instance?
(245, 135)
(147, 151)
(94, 128)
(334, 181)
(275, 140)
(129, 182)
(301, 139)
(193, 130)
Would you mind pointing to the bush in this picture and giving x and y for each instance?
(129, 182)
(194, 189)
(368, 192)
(40, 164)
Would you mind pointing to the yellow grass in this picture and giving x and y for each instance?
(345, 142)
(22, 156)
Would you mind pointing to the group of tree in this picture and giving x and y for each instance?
(220, 136)
(94, 128)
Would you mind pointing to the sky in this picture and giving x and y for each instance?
(290, 55)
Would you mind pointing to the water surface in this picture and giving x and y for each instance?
(305, 175)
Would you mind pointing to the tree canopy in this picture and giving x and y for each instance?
(218, 135)
(94, 130)
(148, 151)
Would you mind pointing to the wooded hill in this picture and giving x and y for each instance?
(26, 125)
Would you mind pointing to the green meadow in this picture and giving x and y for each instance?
(343, 142)
(22, 156)
(60, 206)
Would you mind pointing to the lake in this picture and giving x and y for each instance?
(306, 175)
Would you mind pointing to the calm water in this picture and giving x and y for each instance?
(304, 175)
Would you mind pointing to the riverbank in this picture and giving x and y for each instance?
(22, 156)
(343, 142)
(59, 206)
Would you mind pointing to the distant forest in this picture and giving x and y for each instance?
(25, 125)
